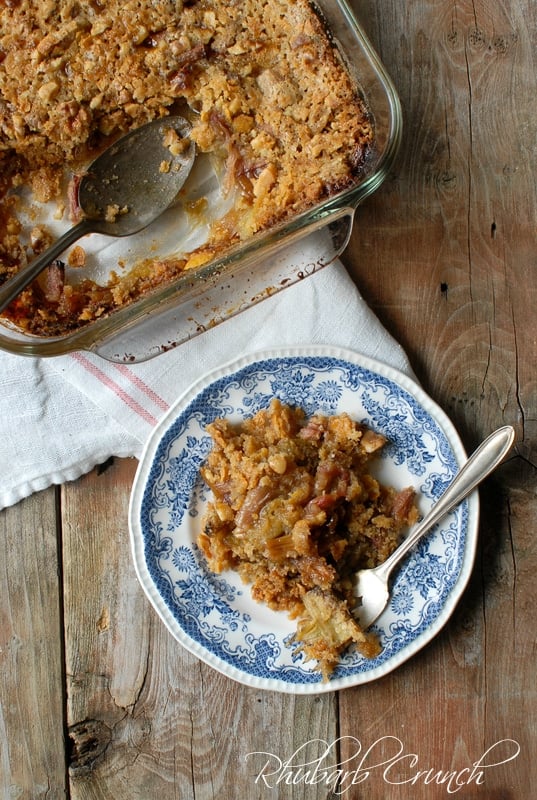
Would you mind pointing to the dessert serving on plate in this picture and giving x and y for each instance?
(296, 512)
(266, 90)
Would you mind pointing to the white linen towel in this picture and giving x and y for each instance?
(62, 416)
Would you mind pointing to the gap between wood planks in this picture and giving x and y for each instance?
(61, 610)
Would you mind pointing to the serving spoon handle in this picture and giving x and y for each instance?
(128, 176)
(14, 286)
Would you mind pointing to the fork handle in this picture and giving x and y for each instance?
(480, 464)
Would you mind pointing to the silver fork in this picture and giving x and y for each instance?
(372, 585)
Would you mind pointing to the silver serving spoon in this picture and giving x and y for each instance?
(125, 189)
(371, 586)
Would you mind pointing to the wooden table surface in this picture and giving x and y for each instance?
(97, 700)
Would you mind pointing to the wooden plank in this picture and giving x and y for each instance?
(473, 687)
(444, 253)
(32, 758)
(508, 568)
(147, 719)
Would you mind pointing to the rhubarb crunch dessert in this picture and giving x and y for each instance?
(264, 87)
(296, 512)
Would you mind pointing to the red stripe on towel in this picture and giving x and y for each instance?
(142, 386)
(115, 388)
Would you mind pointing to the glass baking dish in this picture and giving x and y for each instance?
(268, 263)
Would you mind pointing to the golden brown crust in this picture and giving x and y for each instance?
(262, 84)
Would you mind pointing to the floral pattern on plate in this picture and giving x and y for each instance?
(214, 616)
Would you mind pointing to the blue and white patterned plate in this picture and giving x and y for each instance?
(213, 616)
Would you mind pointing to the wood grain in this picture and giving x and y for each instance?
(32, 757)
(144, 716)
(98, 701)
(444, 253)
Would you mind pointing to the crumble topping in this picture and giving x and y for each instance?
(260, 82)
(296, 512)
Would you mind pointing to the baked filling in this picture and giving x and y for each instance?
(261, 83)
(296, 512)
